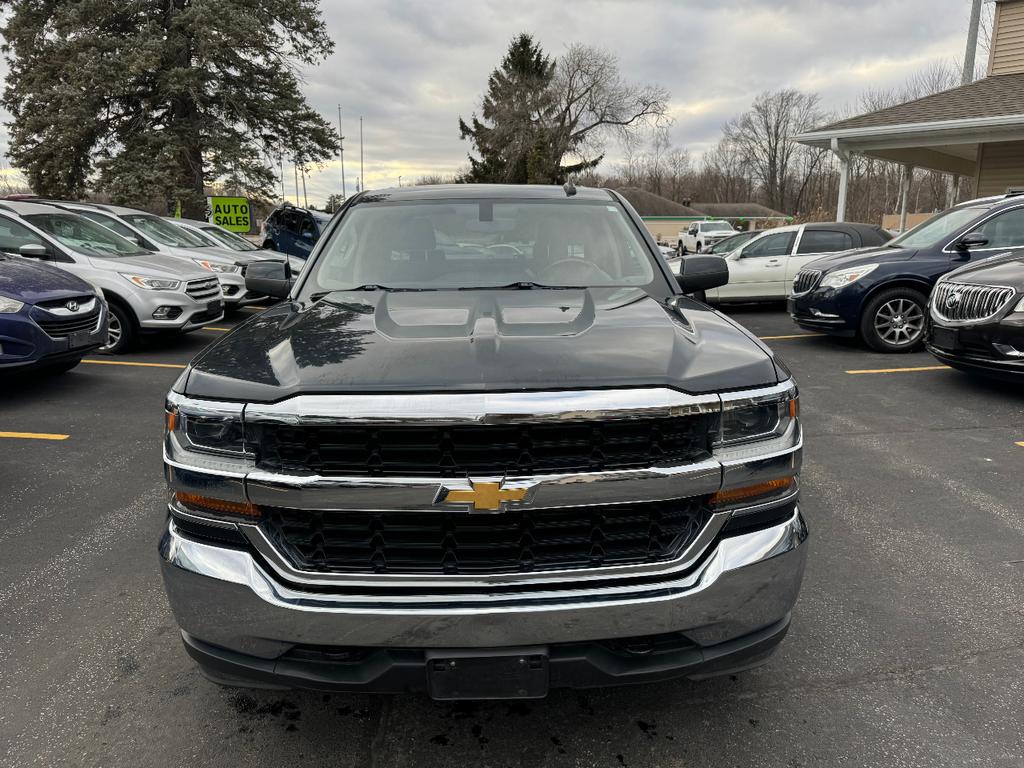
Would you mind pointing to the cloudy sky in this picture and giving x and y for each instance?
(410, 69)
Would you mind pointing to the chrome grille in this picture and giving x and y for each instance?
(58, 320)
(964, 302)
(201, 290)
(806, 280)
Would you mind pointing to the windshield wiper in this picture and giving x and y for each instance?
(523, 285)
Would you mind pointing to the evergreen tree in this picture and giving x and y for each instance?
(150, 100)
(518, 96)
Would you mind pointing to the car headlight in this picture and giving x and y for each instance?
(9, 306)
(151, 283)
(215, 267)
(1019, 307)
(206, 427)
(745, 420)
(845, 277)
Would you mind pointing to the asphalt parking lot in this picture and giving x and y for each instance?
(906, 648)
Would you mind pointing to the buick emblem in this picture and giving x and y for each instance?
(952, 300)
(72, 306)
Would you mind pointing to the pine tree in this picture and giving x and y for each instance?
(150, 100)
(518, 95)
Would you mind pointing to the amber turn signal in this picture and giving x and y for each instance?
(217, 506)
(172, 420)
(753, 492)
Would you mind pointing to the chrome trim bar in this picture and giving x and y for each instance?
(421, 494)
(483, 408)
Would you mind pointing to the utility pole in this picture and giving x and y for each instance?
(295, 167)
(399, 181)
(361, 175)
(305, 200)
(341, 145)
(972, 43)
(280, 165)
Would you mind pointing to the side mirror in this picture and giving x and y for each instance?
(971, 240)
(701, 273)
(33, 251)
(269, 278)
(307, 234)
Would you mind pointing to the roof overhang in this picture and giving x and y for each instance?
(944, 145)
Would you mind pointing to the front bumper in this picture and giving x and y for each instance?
(245, 625)
(994, 347)
(825, 310)
(24, 345)
(193, 314)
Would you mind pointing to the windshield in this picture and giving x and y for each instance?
(937, 228)
(445, 244)
(85, 236)
(730, 244)
(229, 239)
(715, 226)
(110, 223)
(162, 231)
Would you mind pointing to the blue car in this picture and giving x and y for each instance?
(49, 319)
(294, 230)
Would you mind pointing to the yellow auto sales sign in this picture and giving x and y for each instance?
(229, 212)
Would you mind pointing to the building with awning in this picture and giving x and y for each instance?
(974, 131)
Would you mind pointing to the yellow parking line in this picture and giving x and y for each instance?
(1021, 444)
(905, 370)
(791, 336)
(211, 328)
(140, 365)
(34, 435)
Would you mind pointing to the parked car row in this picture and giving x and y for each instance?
(119, 272)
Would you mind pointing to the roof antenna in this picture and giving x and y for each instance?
(570, 189)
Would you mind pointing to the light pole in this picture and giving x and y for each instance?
(399, 181)
(341, 145)
(362, 176)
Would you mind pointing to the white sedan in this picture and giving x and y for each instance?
(763, 268)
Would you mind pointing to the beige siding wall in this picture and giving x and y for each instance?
(1000, 165)
(1007, 54)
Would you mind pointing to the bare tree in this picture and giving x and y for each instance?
(764, 136)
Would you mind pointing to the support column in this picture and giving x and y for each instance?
(908, 174)
(844, 178)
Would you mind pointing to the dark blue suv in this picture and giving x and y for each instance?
(881, 294)
(294, 230)
(49, 319)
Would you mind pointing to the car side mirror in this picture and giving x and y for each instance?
(307, 234)
(33, 251)
(701, 273)
(269, 278)
(971, 240)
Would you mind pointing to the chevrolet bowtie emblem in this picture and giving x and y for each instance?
(483, 496)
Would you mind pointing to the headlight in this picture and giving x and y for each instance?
(215, 267)
(9, 306)
(206, 427)
(1019, 307)
(845, 277)
(745, 420)
(151, 283)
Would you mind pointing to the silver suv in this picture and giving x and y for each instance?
(158, 236)
(146, 292)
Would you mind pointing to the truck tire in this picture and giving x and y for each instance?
(894, 320)
(699, 248)
(682, 248)
(122, 332)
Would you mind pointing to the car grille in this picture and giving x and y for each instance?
(965, 302)
(461, 450)
(201, 290)
(806, 280)
(462, 543)
(64, 324)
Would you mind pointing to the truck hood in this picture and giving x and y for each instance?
(858, 256)
(479, 340)
(33, 281)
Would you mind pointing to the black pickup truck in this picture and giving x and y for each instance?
(488, 445)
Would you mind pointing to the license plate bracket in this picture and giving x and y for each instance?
(79, 339)
(215, 307)
(514, 673)
(945, 338)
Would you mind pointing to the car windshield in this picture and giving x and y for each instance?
(85, 236)
(936, 229)
(730, 244)
(228, 239)
(453, 244)
(163, 232)
(715, 226)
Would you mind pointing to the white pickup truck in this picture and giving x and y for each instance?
(703, 234)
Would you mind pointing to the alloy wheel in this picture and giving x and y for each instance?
(900, 322)
(114, 332)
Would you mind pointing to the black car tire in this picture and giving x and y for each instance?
(268, 245)
(122, 334)
(894, 320)
(699, 248)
